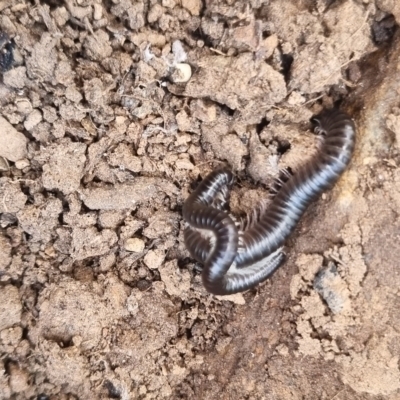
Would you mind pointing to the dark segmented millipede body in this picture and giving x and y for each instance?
(310, 181)
(199, 213)
(258, 250)
(220, 274)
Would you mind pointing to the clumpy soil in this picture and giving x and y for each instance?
(100, 144)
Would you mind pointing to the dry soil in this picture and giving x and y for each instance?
(101, 143)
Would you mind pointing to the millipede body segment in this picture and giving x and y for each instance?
(236, 260)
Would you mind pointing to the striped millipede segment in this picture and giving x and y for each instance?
(236, 260)
(200, 214)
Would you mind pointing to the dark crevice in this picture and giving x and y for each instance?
(283, 147)
(113, 392)
(263, 124)
(383, 30)
(53, 4)
(287, 61)
(228, 111)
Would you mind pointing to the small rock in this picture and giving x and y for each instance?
(49, 114)
(15, 78)
(154, 258)
(13, 199)
(21, 164)
(12, 142)
(135, 245)
(24, 106)
(193, 6)
(222, 344)
(182, 73)
(97, 11)
(33, 119)
(11, 336)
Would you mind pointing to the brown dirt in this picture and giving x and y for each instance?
(99, 147)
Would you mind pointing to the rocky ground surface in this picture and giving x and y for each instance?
(102, 138)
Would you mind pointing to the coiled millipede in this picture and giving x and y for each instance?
(236, 260)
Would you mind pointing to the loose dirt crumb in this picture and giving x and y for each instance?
(64, 168)
(10, 307)
(12, 198)
(126, 196)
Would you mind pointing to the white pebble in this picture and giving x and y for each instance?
(134, 245)
(12, 142)
(182, 73)
(21, 164)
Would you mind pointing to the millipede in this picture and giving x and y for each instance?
(236, 260)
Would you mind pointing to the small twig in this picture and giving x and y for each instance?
(218, 52)
(313, 100)
(340, 391)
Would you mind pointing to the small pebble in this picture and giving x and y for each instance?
(21, 164)
(134, 245)
(33, 119)
(24, 106)
(12, 142)
(98, 11)
(182, 73)
(154, 258)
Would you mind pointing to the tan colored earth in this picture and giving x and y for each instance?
(104, 133)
